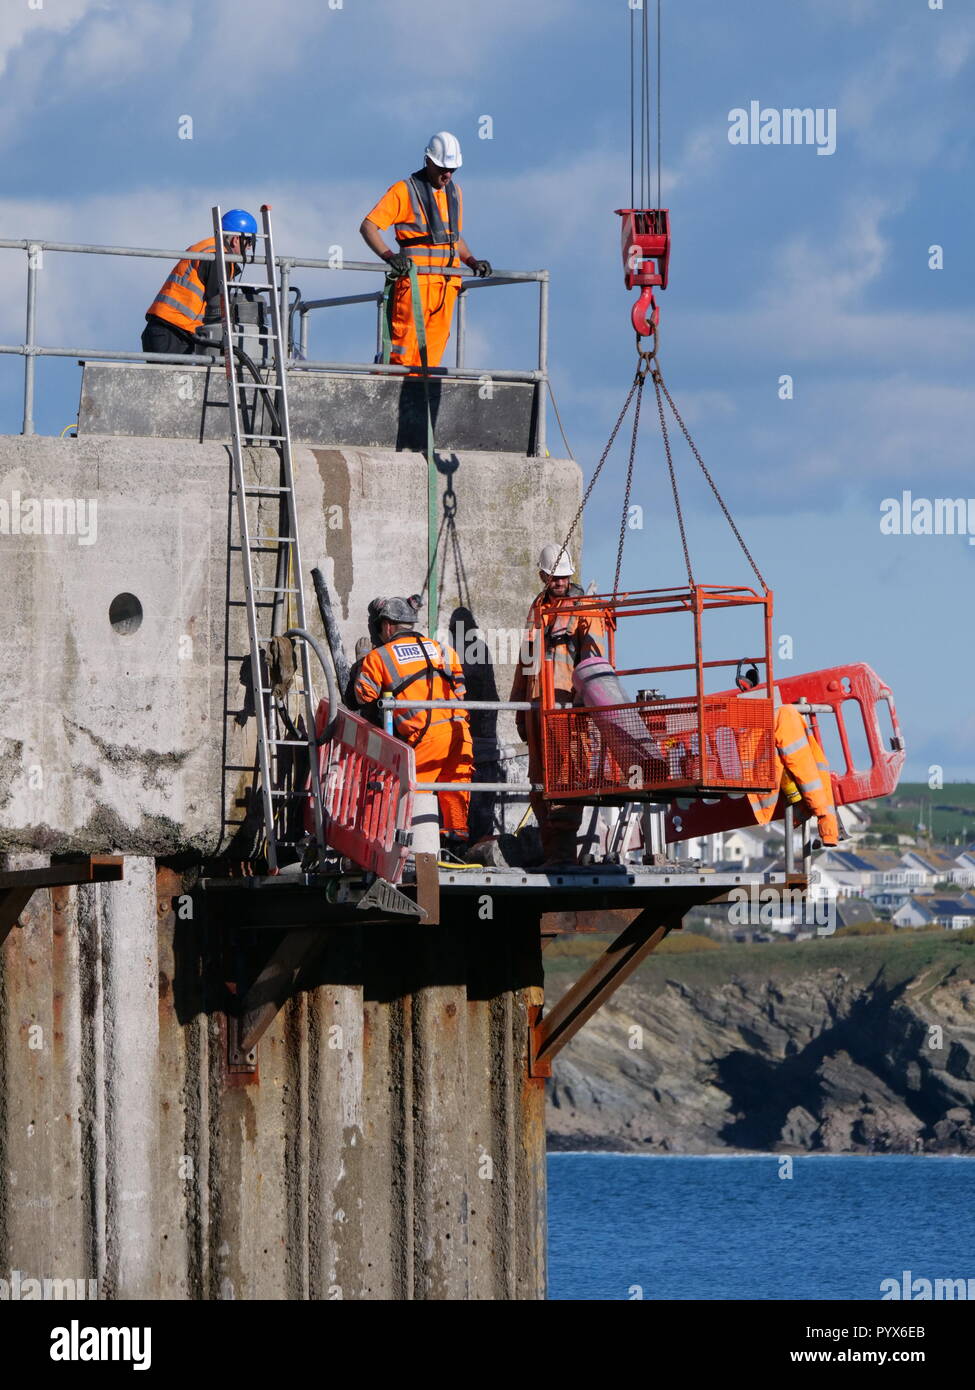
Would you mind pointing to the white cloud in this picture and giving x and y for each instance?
(22, 24)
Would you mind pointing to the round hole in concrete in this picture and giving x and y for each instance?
(125, 614)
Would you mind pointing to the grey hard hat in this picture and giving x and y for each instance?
(394, 610)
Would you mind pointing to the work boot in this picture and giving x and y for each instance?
(558, 848)
(453, 845)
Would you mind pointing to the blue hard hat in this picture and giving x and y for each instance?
(237, 220)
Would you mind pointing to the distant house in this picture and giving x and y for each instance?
(856, 821)
(928, 867)
(854, 912)
(965, 868)
(952, 913)
(748, 844)
(875, 875)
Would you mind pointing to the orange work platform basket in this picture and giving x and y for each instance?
(609, 748)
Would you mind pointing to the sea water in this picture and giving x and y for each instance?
(630, 1226)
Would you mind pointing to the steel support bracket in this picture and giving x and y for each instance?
(550, 1032)
(428, 888)
(17, 886)
(273, 987)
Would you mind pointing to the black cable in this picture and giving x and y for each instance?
(632, 120)
(659, 68)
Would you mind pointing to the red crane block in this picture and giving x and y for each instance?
(645, 238)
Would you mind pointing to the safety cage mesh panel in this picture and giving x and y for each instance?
(626, 749)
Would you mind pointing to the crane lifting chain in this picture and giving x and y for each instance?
(649, 365)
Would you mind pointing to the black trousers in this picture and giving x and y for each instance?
(160, 336)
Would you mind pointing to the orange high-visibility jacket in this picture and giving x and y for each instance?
(569, 637)
(802, 766)
(182, 298)
(408, 666)
(427, 221)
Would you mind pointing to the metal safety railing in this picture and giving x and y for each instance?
(30, 349)
(517, 789)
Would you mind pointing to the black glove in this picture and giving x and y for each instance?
(399, 264)
(482, 269)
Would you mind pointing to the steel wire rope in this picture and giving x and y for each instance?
(711, 483)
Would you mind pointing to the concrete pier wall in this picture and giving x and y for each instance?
(390, 1144)
(114, 737)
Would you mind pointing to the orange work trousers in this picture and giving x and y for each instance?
(437, 296)
(445, 753)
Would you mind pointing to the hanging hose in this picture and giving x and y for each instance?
(433, 536)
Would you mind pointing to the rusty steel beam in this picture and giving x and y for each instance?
(95, 868)
(17, 886)
(428, 888)
(591, 920)
(12, 903)
(557, 1027)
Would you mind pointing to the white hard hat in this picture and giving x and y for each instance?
(556, 561)
(444, 150)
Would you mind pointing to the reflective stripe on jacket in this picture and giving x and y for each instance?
(425, 237)
(802, 766)
(565, 645)
(182, 297)
(402, 666)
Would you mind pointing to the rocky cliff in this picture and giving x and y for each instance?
(854, 1046)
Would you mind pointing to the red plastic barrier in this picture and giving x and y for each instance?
(366, 777)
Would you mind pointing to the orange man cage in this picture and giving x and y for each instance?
(654, 748)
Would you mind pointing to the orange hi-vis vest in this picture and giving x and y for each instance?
(803, 769)
(424, 237)
(408, 666)
(182, 298)
(569, 637)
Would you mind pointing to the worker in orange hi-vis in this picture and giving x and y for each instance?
(405, 664)
(426, 211)
(802, 767)
(570, 637)
(179, 309)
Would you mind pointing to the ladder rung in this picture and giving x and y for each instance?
(288, 742)
(258, 386)
(258, 603)
(237, 767)
(262, 549)
(278, 438)
(261, 491)
(272, 589)
(301, 794)
(237, 285)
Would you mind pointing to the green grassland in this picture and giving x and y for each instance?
(893, 959)
(949, 812)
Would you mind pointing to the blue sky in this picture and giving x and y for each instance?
(784, 261)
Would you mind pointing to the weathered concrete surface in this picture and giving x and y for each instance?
(113, 739)
(390, 1146)
(367, 411)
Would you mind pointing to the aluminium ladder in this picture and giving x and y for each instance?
(269, 599)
